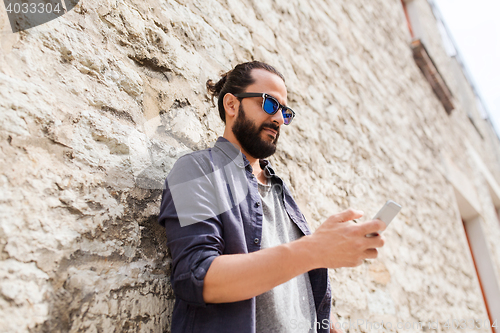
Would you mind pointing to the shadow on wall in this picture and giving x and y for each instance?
(116, 292)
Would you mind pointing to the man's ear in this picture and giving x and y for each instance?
(231, 105)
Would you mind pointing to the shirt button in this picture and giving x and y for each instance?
(256, 241)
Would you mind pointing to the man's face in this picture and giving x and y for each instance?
(257, 131)
(250, 135)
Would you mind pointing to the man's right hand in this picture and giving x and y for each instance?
(336, 243)
(339, 243)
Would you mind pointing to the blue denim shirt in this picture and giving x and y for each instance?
(211, 206)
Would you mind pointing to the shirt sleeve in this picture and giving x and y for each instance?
(189, 213)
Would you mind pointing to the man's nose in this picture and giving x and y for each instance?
(278, 118)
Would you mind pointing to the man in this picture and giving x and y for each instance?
(243, 257)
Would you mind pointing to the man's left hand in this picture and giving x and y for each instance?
(334, 329)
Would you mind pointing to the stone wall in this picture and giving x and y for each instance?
(96, 105)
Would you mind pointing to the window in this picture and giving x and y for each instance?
(422, 57)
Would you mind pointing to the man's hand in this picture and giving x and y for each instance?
(337, 243)
(336, 330)
(333, 328)
(236, 277)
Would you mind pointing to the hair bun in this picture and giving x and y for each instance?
(214, 89)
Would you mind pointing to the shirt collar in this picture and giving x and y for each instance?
(231, 151)
(266, 166)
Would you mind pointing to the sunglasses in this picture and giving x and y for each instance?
(270, 105)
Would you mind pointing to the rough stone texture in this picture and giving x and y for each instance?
(96, 106)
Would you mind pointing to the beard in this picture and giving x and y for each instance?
(249, 136)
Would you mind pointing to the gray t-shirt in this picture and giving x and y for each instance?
(288, 307)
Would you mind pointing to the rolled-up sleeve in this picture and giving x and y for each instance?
(190, 214)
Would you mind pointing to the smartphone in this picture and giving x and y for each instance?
(386, 214)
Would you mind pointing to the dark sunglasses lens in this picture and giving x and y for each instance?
(270, 106)
(287, 116)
